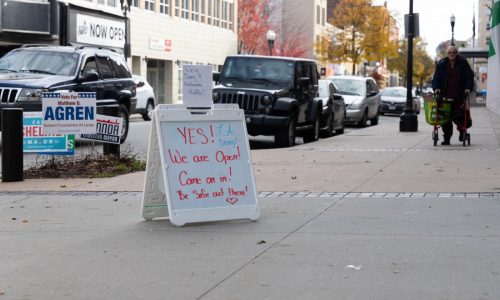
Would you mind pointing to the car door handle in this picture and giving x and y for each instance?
(100, 86)
(118, 85)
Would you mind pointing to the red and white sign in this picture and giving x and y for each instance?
(160, 44)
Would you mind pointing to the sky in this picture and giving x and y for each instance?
(434, 18)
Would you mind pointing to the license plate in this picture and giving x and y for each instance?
(392, 107)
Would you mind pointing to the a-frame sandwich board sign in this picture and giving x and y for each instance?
(199, 167)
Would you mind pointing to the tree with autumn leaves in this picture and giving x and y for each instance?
(253, 24)
(423, 65)
(363, 33)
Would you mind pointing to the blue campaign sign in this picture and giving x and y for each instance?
(35, 141)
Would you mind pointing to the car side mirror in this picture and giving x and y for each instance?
(216, 76)
(89, 76)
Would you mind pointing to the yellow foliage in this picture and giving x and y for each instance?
(363, 33)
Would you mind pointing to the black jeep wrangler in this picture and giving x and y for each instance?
(27, 72)
(276, 93)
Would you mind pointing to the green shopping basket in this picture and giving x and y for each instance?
(432, 112)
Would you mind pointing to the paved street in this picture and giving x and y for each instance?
(371, 214)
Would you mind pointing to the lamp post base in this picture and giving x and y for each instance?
(408, 122)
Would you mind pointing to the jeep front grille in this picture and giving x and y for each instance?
(245, 102)
(8, 95)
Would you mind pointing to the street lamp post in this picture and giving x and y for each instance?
(271, 37)
(452, 22)
(408, 121)
(125, 5)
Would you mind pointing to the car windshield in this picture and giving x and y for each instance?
(258, 71)
(324, 88)
(41, 62)
(347, 86)
(394, 93)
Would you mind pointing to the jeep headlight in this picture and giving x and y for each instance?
(31, 94)
(266, 100)
(216, 96)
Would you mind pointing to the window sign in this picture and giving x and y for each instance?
(197, 85)
(99, 31)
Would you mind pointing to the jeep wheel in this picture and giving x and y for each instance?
(150, 106)
(123, 113)
(285, 137)
(312, 134)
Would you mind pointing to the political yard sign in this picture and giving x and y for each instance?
(108, 130)
(69, 112)
(36, 141)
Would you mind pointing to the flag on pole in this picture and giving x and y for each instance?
(493, 89)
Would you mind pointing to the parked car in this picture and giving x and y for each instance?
(393, 100)
(278, 95)
(334, 110)
(361, 97)
(145, 97)
(27, 72)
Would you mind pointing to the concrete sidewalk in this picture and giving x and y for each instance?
(375, 159)
(372, 214)
(61, 245)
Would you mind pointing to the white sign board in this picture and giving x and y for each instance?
(99, 31)
(197, 85)
(108, 130)
(68, 112)
(199, 167)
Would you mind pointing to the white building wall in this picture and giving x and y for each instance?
(301, 16)
(190, 41)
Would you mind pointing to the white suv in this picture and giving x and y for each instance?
(145, 97)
